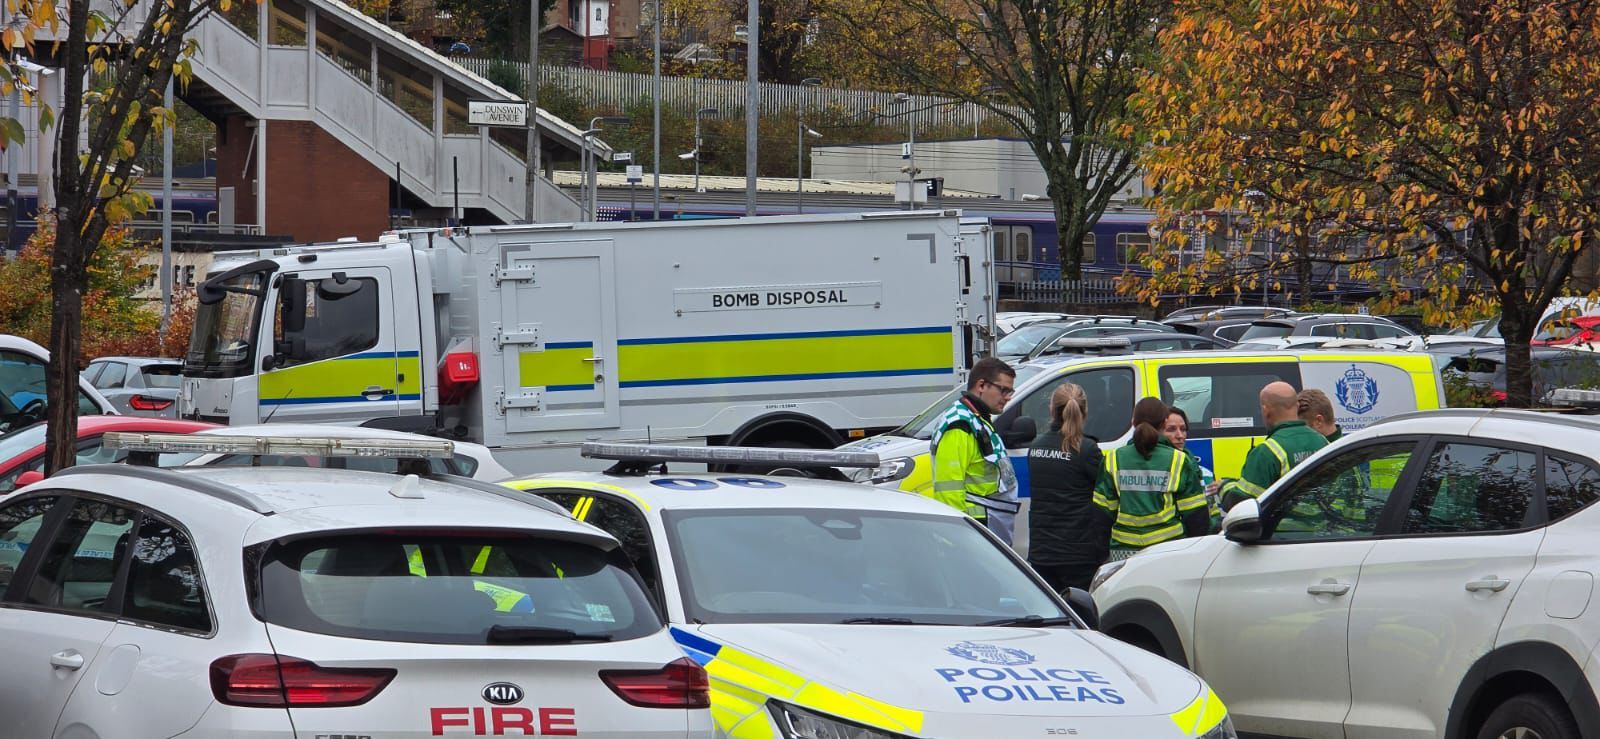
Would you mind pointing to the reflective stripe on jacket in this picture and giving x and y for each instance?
(1151, 499)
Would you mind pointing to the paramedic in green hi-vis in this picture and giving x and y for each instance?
(1288, 443)
(1151, 490)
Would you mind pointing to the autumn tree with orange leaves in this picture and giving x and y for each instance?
(1444, 148)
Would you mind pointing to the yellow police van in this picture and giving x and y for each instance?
(1218, 391)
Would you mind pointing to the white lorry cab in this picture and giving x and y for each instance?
(798, 331)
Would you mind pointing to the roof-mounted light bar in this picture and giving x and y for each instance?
(288, 446)
(730, 455)
(1101, 342)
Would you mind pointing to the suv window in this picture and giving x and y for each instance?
(618, 519)
(19, 526)
(164, 585)
(1343, 498)
(336, 324)
(112, 377)
(1471, 488)
(1110, 394)
(1223, 400)
(83, 558)
(452, 587)
(1569, 486)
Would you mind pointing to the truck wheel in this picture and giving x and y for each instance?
(1530, 716)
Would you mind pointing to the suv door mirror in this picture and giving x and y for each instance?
(1082, 603)
(1243, 522)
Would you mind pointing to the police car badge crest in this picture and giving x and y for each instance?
(1357, 392)
(990, 654)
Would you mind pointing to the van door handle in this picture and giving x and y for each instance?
(1329, 587)
(378, 391)
(1489, 584)
(68, 660)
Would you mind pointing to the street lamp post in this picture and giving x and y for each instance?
(752, 103)
(911, 150)
(800, 150)
(591, 164)
(697, 144)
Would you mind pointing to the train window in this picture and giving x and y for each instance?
(1001, 238)
(1089, 255)
(182, 216)
(1022, 242)
(1132, 247)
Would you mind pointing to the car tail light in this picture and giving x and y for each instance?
(147, 403)
(680, 684)
(271, 681)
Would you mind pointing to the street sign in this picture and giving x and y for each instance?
(622, 156)
(635, 173)
(497, 113)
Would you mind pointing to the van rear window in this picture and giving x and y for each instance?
(454, 587)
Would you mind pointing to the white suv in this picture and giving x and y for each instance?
(279, 602)
(1430, 576)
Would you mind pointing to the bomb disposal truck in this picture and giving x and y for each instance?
(796, 331)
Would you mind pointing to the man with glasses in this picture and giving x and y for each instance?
(971, 471)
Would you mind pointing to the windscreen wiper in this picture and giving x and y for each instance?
(888, 621)
(502, 634)
(1033, 621)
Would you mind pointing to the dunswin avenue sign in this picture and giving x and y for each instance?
(497, 113)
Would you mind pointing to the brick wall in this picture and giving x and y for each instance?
(317, 189)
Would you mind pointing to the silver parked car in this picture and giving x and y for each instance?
(138, 386)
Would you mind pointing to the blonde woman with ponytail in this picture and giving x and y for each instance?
(1069, 536)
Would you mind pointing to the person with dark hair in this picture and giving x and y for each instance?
(1151, 490)
(1069, 537)
(1177, 433)
(1289, 442)
(971, 472)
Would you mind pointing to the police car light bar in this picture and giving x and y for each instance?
(278, 445)
(730, 455)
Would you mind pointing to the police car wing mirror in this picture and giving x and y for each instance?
(1243, 522)
(1082, 603)
(1020, 433)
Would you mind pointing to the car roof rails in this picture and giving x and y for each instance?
(640, 459)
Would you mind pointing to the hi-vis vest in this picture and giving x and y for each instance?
(1288, 445)
(971, 472)
(1148, 497)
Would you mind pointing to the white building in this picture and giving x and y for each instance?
(1005, 168)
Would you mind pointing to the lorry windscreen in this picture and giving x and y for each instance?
(225, 331)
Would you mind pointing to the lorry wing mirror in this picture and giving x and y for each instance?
(338, 286)
(292, 297)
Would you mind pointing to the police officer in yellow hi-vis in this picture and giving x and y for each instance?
(1288, 443)
(971, 471)
(1151, 490)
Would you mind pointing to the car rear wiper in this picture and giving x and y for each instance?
(1032, 621)
(502, 634)
(887, 621)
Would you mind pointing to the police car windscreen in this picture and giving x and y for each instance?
(829, 566)
(454, 587)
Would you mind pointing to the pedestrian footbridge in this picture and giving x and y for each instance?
(331, 124)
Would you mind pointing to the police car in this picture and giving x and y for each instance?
(278, 602)
(825, 610)
(1431, 576)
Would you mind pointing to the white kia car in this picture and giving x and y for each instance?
(138, 602)
(1431, 576)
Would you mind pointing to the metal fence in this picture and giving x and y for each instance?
(606, 89)
(1091, 289)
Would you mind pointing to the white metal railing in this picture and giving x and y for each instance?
(600, 88)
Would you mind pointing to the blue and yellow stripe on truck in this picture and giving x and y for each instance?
(560, 367)
(344, 379)
(783, 357)
(742, 683)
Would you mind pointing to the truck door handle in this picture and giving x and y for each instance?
(378, 391)
(1329, 587)
(1490, 584)
(594, 359)
(68, 660)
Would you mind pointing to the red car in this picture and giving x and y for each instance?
(1568, 331)
(22, 450)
